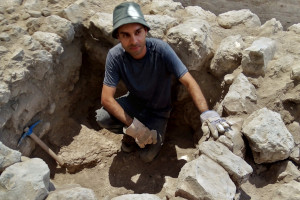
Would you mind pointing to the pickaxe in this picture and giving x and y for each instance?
(29, 132)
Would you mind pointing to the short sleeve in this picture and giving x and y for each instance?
(111, 77)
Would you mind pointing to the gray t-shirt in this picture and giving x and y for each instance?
(148, 80)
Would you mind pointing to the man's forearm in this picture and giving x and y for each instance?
(198, 98)
(194, 90)
(114, 108)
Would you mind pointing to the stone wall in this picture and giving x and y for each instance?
(286, 11)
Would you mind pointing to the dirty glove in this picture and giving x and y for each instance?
(213, 123)
(141, 133)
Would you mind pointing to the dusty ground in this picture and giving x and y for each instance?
(124, 173)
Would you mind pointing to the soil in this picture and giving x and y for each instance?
(124, 173)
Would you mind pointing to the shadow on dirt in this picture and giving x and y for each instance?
(127, 170)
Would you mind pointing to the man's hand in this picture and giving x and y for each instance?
(213, 123)
(141, 133)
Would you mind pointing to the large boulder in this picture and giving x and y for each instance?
(193, 35)
(256, 57)
(8, 156)
(53, 24)
(228, 56)
(270, 28)
(295, 28)
(268, 137)
(160, 24)
(236, 167)
(25, 180)
(241, 97)
(238, 17)
(197, 180)
(71, 192)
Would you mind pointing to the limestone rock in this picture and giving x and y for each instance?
(34, 13)
(294, 129)
(53, 24)
(33, 4)
(235, 136)
(167, 7)
(228, 56)
(3, 50)
(8, 157)
(18, 54)
(226, 142)
(101, 27)
(75, 12)
(238, 17)
(194, 36)
(256, 57)
(71, 192)
(241, 97)
(285, 171)
(8, 3)
(236, 167)
(50, 41)
(269, 139)
(137, 197)
(97, 146)
(160, 24)
(4, 93)
(270, 27)
(295, 75)
(295, 28)
(43, 63)
(25, 180)
(198, 12)
(295, 155)
(4, 37)
(30, 43)
(197, 180)
(288, 191)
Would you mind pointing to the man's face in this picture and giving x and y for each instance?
(133, 39)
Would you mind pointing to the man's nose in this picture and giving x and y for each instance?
(133, 39)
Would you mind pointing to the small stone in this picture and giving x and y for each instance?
(4, 37)
(295, 75)
(18, 54)
(25, 16)
(229, 79)
(3, 50)
(34, 13)
(10, 10)
(46, 12)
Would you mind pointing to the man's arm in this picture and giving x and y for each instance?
(112, 106)
(194, 90)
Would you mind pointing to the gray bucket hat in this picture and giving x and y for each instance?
(126, 13)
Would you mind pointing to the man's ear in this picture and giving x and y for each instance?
(146, 29)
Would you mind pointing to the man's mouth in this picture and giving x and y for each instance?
(134, 47)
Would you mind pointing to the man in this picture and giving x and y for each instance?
(146, 66)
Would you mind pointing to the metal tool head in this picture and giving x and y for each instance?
(27, 132)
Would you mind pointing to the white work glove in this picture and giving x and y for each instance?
(213, 123)
(141, 133)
